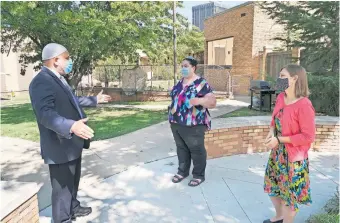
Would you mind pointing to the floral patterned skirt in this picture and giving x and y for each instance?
(286, 180)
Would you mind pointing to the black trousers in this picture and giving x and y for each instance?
(65, 182)
(190, 145)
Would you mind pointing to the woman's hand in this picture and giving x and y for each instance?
(272, 143)
(269, 136)
(195, 101)
(208, 101)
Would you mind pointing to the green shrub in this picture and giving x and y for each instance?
(332, 212)
(324, 218)
(271, 80)
(324, 90)
(332, 206)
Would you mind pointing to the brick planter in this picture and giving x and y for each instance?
(246, 135)
(118, 95)
(19, 202)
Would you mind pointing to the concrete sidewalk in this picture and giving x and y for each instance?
(21, 160)
(233, 192)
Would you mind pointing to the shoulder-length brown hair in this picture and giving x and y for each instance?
(301, 84)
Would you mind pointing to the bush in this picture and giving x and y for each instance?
(324, 90)
(324, 218)
(332, 206)
(332, 212)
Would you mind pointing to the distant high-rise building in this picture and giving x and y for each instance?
(201, 12)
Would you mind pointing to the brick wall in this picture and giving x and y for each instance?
(28, 212)
(241, 84)
(231, 24)
(327, 138)
(249, 139)
(217, 79)
(119, 95)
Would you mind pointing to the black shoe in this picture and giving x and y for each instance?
(269, 221)
(81, 212)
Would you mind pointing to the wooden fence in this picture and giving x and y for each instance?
(271, 63)
(275, 61)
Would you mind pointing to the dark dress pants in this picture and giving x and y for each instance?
(65, 179)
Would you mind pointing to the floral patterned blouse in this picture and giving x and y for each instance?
(181, 111)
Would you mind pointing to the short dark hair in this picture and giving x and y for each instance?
(192, 61)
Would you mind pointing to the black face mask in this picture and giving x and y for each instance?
(282, 84)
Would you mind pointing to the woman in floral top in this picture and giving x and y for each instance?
(189, 119)
(292, 131)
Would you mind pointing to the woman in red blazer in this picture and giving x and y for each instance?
(291, 134)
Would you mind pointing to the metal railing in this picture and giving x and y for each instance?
(155, 78)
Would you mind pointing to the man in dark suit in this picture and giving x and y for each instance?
(63, 130)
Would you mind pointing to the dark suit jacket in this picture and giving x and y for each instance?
(56, 111)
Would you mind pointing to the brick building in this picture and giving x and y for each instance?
(237, 37)
(12, 78)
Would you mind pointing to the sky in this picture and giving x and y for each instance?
(187, 10)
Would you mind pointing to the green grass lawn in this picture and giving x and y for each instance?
(19, 121)
(243, 112)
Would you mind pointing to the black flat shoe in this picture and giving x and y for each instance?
(269, 221)
(81, 212)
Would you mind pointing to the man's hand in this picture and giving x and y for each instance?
(81, 129)
(103, 98)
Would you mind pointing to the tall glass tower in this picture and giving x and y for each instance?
(201, 12)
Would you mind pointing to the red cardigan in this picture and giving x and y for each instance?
(298, 122)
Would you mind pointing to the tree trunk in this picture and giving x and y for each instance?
(83, 69)
(335, 66)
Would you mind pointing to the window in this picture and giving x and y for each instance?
(243, 14)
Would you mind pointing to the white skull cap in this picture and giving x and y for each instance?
(52, 50)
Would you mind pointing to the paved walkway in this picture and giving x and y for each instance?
(21, 160)
(126, 179)
(233, 192)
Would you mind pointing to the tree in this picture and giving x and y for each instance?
(190, 40)
(311, 25)
(89, 30)
(105, 70)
